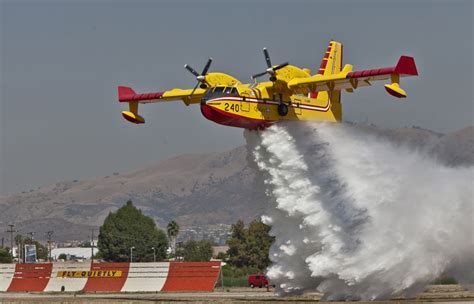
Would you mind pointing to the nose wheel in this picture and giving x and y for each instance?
(282, 109)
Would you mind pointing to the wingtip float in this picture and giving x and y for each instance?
(291, 93)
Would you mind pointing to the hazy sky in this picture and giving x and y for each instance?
(61, 62)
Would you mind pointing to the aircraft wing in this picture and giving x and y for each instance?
(127, 94)
(350, 80)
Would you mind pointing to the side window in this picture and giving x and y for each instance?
(228, 90)
(257, 277)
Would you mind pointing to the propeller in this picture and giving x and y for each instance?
(201, 78)
(270, 69)
(282, 107)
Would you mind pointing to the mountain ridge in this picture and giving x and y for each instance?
(194, 189)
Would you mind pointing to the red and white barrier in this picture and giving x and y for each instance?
(146, 276)
(64, 283)
(6, 276)
(109, 277)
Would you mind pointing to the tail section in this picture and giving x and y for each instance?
(332, 61)
(331, 64)
(127, 94)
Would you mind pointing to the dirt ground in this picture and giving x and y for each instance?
(434, 293)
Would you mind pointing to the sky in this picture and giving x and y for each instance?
(61, 63)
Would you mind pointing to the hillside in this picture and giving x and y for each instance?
(195, 189)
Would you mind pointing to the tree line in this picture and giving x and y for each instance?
(128, 234)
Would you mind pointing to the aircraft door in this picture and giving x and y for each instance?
(297, 108)
(296, 102)
(244, 104)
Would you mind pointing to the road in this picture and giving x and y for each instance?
(440, 294)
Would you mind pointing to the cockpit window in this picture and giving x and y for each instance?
(220, 92)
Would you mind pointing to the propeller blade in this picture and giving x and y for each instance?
(267, 57)
(206, 68)
(195, 87)
(259, 74)
(191, 70)
(280, 66)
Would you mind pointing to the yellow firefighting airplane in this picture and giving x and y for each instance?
(291, 94)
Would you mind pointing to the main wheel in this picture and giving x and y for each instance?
(282, 109)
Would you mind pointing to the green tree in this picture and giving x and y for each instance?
(222, 256)
(41, 250)
(172, 230)
(62, 256)
(129, 227)
(236, 252)
(249, 247)
(197, 251)
(5, 255)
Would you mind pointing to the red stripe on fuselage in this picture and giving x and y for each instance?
(233, 120)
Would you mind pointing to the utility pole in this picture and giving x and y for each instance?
(49, 234)
(92, 246)
(131, 253)
(11, 230)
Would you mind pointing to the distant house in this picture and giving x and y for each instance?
(218, 249)
(73, 253)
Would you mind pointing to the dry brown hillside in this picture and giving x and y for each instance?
(197, 189)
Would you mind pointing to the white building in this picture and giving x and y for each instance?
(76, 252)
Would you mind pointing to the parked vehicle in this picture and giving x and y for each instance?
(257, 280)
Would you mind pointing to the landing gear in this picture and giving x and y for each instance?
(282, 109)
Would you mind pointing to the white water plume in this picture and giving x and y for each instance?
(357, 217)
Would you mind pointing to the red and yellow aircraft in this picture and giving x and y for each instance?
(291, 94)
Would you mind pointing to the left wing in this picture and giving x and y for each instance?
(188, 96)
(349, 80)
(127, 94)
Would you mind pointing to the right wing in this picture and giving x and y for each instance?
(349, 80)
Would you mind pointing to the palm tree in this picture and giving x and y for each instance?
(173, 231)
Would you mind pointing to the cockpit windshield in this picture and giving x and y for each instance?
(217, 92)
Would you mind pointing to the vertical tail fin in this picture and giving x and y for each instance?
(331, 64)
(332, 61)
